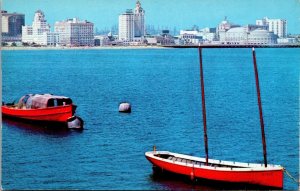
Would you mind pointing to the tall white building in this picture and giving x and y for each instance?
(39, 31)
(73, 32)
(139, 20)
(126, 26)
(278, 26)
(132, 24)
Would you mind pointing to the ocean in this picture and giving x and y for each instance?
(163, 87)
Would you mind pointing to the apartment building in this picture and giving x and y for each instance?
(73, 32)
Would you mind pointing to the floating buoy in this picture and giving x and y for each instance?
(125, 108)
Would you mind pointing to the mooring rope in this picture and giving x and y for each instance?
(293, 178)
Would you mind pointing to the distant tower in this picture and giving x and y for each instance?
(139, 21)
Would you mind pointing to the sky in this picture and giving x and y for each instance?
(182, 14)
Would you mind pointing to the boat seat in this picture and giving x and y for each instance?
(178, 159)
(199, 163)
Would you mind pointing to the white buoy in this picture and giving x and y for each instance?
(125, 107)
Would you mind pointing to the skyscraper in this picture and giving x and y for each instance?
(126, 26)
(139, 22)
(12, 26)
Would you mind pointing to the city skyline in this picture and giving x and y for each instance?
(104, 14)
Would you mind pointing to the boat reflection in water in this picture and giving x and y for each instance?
(174, 181)
(37, 127)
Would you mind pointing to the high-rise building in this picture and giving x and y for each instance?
(73, 32)
(132, 24)
(12, 26)
(39, 31)
(139, 20)
(126, 26)
(278, 26)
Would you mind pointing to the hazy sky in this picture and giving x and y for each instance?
(182, 14)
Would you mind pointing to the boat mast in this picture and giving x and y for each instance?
(260, 109)
(203, 105)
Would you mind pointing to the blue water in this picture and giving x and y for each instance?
(163, 87)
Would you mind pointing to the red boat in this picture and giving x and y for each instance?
(217, 170)
(44, 108)
(264, 175)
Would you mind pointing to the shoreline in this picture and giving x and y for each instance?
(83, 48)
(149, 47)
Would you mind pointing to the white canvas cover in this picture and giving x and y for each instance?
(35, 101)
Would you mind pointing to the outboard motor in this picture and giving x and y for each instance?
(75, 122)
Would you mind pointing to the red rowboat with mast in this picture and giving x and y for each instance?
(266, 175)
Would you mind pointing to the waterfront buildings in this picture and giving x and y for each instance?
(106, 40)
(289, 40)
(162, 39)
(249, 35)
(205, 35)
(278, 26)
(236, 35)
(223, 27)
(190, 37)
(261, 36)
(102, 40)
(39, 32)
(12, 26)
(73, 32)
(229, 33)
(132, 24)
(208, 34)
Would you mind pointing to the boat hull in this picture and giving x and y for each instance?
(242, 173)
(50, 114)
